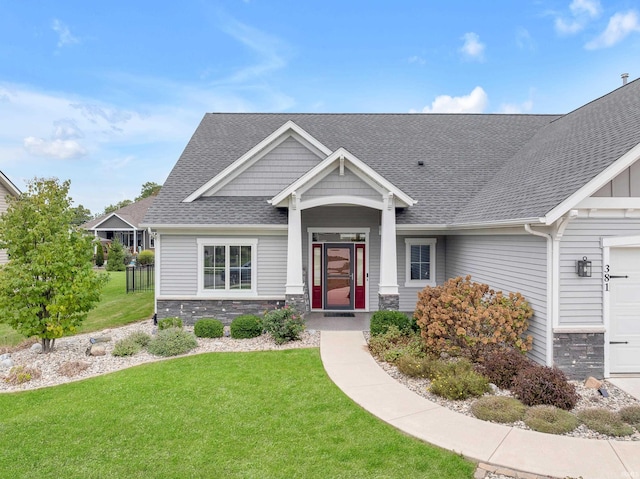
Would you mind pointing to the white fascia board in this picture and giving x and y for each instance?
(327, 163)
(289, 126)
(8, 184)
(608, 174)
(109, 217)
(607, 203)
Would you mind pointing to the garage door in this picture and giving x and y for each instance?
(624, 313)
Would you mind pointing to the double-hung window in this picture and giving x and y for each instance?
(420, 254)
(227, 267)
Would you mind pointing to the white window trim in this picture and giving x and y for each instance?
(413, 283)
(227, 292)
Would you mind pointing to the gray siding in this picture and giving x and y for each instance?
(510, 264)
(581, 298)
(626, 184)
(348, 184)
(3, 207)
(273, 172)
(347, 217)
(114, 223)
(179, 269)
(409, 296)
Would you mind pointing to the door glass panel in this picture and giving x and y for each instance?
(360, 267)
(317, 266)
(338, 277)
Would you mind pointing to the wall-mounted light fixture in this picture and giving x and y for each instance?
(583, 267)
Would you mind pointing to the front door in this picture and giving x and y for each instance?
(624, 312)
(338, 285)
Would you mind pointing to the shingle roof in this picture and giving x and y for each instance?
(132, 214)
(477, 167)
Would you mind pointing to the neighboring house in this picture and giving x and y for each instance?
(124, 224)
(7, 188)
(359, 212)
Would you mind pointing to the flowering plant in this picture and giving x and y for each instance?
(284, 324)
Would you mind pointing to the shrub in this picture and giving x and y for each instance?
(605, 422)
(393, 344)
(461, 318)
(167, 323)
(72, 368)
(116, 258)
(550, 419)
(126, 347)
(544, 385)
(21, 374)
(141, 338)
(631, 415)
(246, 326)
(99, 254)
(418, 367)
(171, 342)
(284, 324)
(208, 328)
(458, 380)
(381, 320)
(501, 409)
(502, 365)
(146, 257)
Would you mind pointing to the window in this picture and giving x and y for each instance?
(227, 266)
(420, 256)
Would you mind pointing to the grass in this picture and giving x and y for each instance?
(116, 308)
(250, 415)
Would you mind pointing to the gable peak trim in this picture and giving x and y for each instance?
(280, 134)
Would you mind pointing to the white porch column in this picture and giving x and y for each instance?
(388, 256)
(294, 285)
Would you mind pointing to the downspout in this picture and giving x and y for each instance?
(550, 290)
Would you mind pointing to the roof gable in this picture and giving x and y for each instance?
(129, 216)
(288, 129)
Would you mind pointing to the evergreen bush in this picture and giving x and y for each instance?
(146, 257)
(605, 422)
(126, 347)
(208, 328)
(284, 324)
(171, 342)
(631, 415)
(246, 326)
(500, 409)
(381, 320)
(550, 419)
(99, 255)
(116, 258)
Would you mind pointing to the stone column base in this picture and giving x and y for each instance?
(297, 302)
(389, 302)
(579, 355)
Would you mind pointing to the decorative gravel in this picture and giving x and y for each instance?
(74, 348)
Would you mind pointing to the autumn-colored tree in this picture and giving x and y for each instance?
(49, 285)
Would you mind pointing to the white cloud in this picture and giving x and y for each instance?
(582, 12)
(524, 39)
(474, 102)
(620, 25)
(61, 149)
(472, 48)
(514, 108)
(64, 34)
(417, 60)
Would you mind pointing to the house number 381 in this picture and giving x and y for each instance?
(607, 277)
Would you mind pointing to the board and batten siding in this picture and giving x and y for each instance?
(626, 184)
(179, 269)
(581, 298)
(3, 207)
(409, 295)
(508, 263)
(114, 223)
(343, 218)
(348, 184)
(273, 172)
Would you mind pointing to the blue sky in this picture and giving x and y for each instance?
(107, 94)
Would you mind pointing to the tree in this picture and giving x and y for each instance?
(49, 285)
(80, 215)
(99, 255)
(117, 206)
(115, 261)
(149, 189)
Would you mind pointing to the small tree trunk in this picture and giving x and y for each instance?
(47, 345)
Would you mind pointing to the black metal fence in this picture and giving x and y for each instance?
(140, 278)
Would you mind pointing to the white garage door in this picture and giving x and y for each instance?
(624, 313)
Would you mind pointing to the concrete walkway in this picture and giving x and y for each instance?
(351, 367)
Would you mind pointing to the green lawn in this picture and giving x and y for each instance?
(116, 308)
(222, 415)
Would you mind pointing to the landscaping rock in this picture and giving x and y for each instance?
(592, 383)
(97, 351)
(100, 339)
(36, 348)
(494, 389)
(7, 363)
(5, 356)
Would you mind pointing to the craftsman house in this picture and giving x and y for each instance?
(359, 212)
(7, 188)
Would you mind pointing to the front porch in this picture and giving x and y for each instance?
(330, 321)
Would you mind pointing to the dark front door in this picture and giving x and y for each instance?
(338, 290)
